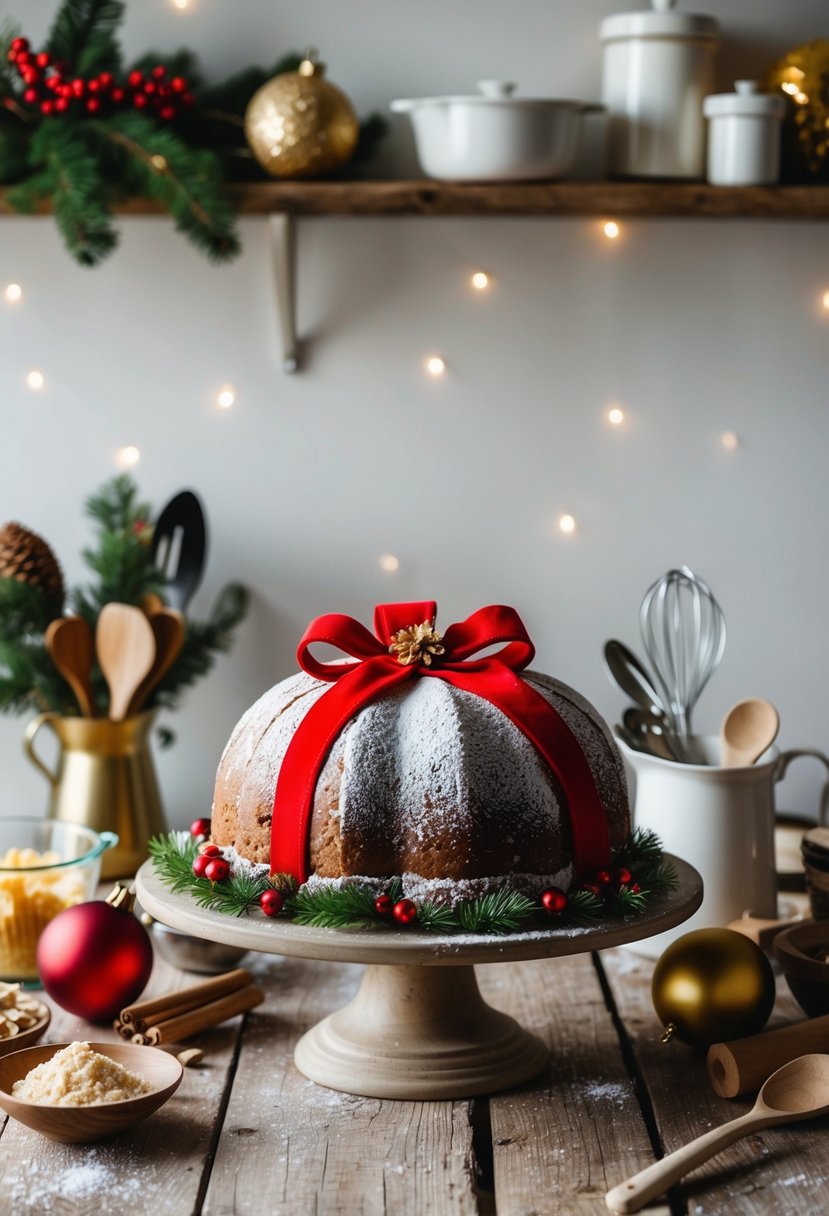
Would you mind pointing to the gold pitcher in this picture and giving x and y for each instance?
(105, 780)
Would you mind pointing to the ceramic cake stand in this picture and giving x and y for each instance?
(418, 1027)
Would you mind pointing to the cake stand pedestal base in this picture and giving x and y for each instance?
(419, 1032)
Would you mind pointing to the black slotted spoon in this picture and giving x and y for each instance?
(180, 548)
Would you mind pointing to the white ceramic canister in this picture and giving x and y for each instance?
(721, 820)
(658, 67)
(744, 136)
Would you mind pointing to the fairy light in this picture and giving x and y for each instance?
(180, 4)
(480, 280)
(615, 416)
(611, 229)
(128, 457)
(825, 300)
(730, 441)
(35, 380)
(13, 293)
(566, 524)
(226, 397)
(435, 366)
(388, 562)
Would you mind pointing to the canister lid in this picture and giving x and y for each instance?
(747, 100)
(661, 22)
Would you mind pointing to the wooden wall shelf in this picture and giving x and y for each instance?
(283, 202)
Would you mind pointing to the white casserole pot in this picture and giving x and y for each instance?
(494, 136)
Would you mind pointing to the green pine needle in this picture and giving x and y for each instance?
(437, 918)
(83, 35)
(584, 908)
(333, 907)
(503, 911)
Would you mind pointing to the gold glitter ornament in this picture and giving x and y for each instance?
(802, 76)
(301, 125)
(712, 985)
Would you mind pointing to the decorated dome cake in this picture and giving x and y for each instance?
(422, 759)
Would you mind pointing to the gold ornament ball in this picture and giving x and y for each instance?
(301, 125)
(711, 985)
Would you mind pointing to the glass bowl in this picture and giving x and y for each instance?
(46, 865)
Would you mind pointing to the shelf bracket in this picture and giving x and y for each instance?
(282, 239)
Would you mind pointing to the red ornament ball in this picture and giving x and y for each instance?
(553, 900)
(593, 888)
(623, 876)
(404, 912)
(271, 901)
(94, 959)
(20, 44)
(603, 878)
(383, 905)
(217, 869)
(635, 888)
(200, 827)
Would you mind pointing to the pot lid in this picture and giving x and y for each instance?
(661, 22)
(491, 92)
(747, 99)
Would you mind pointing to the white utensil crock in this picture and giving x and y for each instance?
(721, 820)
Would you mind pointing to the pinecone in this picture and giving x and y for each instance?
(417, 644)
(25, 556)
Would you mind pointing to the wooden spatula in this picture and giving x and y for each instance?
(125, 643)
(70, 646)
(168, 626)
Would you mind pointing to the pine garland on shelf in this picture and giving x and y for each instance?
(78, 130)
(122, 564)
(355, 906)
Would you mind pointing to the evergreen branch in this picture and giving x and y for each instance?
(437, 918)
(584, 908)
(333, 907)
(503, 911)
(83, 35)
(8, 77)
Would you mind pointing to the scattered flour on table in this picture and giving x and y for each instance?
(113, 1180)
(609, 1091)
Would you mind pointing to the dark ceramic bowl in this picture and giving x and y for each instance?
(801, 951)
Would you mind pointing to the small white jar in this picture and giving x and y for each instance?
(744, 136)
(658, 65)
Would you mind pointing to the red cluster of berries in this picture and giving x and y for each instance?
(603, 882)
(211, 865)
(50, 90)
(404, 911)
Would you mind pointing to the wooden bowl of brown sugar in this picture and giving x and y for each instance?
(82, 1124)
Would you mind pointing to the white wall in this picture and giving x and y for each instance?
(694, 327)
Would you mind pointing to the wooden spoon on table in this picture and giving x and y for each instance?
(70, 646)
(747, 730)
(798, 1090)
(125, 643)
(168, 626)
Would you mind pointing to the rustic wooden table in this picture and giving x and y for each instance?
(247, 1135)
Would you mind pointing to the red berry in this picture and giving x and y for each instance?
(30, 96)
(62, 105)
(134, 79)
(51, 83)
(105, 80)
(93, 105)
(167, 112)
(93, 86)
(635, 888)
(623, 876)
(553, 900)
(178, 84)
(210, 850)
(159, 71)
(271, 901)
(139, 101)
(216, 869)
(24, 59)
(150, 87)
(187, 99)
(20, 44)
(404, 912)
(31, 76)
(200, 865)
(78, 87)
(592, 887)
(117, 96)
(12, 56)
(603, 877)
(46, 107)
(383, 905)
(200, 827)
(43, 59)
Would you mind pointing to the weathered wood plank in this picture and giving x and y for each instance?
(772, 1173)
(560, 1142)
(424, 197)
(155, 1168)
(311, 1150)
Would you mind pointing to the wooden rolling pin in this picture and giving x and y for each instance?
(741, 1067)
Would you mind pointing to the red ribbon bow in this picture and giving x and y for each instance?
(376, 671)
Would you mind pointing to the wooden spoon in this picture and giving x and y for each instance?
(747, 730)
(126, 651)
(168, 626)
(69, 643)
(798, 1090)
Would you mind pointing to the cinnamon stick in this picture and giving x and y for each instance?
(161, 1008)
(193, 1021)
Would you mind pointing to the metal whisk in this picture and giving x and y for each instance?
(683, 631)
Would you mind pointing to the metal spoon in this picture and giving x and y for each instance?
(654, 731)
(629, 674)
(798, 1090)
(747, 730)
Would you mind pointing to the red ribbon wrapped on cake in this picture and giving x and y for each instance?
(406, 646)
